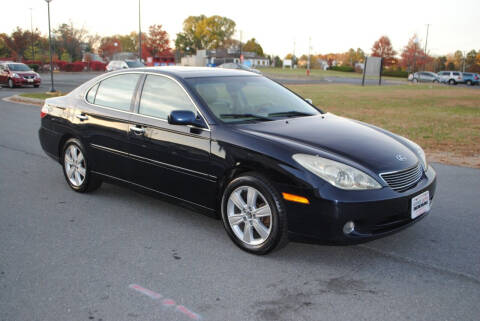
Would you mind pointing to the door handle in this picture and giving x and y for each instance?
(81, 116)
(137, 130)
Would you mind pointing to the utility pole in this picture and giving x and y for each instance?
(31, 31)
(464, 58)
(426, 40)
(308, 60)
(293, 54)
(139, 34)
(52, 88)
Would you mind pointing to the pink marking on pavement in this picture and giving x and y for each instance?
(166, 302)
(147, 292)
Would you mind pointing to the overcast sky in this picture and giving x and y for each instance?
(333, 26)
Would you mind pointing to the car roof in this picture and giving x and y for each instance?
(196, 72)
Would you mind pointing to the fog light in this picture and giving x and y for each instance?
(349, 227)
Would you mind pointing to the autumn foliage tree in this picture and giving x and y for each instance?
(413, 56)
(253, 46)
(158, 42)
(383, 48)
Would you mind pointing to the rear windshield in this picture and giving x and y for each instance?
(18, 67)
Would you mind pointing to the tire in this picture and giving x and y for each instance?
(435, 81)
(10, 83)
(469, 82)
(36, 86)
(76, 169)
(452, 82)
(253, 230)
(415, 80)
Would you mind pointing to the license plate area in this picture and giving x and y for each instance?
(420, 204)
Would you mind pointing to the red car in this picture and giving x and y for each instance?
(17, 74)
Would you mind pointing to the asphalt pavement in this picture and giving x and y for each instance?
(119, 255)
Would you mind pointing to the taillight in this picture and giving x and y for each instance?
(44, 110)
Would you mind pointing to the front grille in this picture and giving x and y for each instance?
(29, 76)
(403, 180)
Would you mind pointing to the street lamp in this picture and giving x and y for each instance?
(139, 34)
(52, 89)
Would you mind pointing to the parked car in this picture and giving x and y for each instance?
(425, 76)
(451, 77)
(231, 65)
(16, 74)
(471, 78)
(237, 145)
(123, 64)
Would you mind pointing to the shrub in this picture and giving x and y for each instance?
(395, 73)
(74, 66)
(97, 66)
(342, 68)
(35, 67)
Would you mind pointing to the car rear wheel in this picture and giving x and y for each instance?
(253, 214)
(415, 80)
(452, 82)
(469, 82)
(75, 168)
(435, 81)
(10, 83)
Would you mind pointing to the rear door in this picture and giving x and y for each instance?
(104, 122)
(171, 159)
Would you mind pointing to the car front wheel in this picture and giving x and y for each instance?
(75, 168)
(10, 83)
(452, 82)
(469, 82)
(253, 214)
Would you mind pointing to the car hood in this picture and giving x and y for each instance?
(338, 138)
(25, 73)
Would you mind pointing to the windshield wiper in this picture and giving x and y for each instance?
(291, 113)
(259, 117)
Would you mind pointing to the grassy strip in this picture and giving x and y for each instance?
(41, 95)
(439, 118)
(316, 74)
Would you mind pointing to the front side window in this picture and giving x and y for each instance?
(236, 99)
(117, 91)
(456, 74)
(161, 95)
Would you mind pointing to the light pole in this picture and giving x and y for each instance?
(31, 31)
(52, 89)
(139, 34)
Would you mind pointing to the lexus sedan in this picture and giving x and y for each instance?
(240, 147)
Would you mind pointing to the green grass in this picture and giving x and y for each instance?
(41, 95)
(301, 73)
(440, 118)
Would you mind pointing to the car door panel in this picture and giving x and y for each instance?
(172, 159)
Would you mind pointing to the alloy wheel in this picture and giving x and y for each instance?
(249, 215)
(75, 165)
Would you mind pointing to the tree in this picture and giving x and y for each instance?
(4, 50)
(383, 48)
(413, 56)
(470, 60)
(253, 46)
(360, 55)
(157, 41)
(458, 59)
(440, 63)
(70, 39)
(17, 43)
(109, 46)
(202, 32)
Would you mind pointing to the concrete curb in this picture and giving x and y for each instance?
(24, 100)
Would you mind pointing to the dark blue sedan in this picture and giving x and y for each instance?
(243, 148)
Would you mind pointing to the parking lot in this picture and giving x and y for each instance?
(116, 254)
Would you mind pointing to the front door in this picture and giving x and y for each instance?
(171, 159)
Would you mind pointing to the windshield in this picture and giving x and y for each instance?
(18, 67)
(134, 64)
(237, 99)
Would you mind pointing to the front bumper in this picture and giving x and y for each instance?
(376, 213)
(22, 81)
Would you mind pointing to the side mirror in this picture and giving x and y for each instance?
(184, 117)
(308, 100)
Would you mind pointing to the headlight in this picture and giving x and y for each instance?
(37, 75)
(15, 75)
(337, 174)
(418, 151)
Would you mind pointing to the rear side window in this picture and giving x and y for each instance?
(161, 95)
(91, 94)
(117, 91)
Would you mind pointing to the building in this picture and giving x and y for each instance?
(217, 57)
